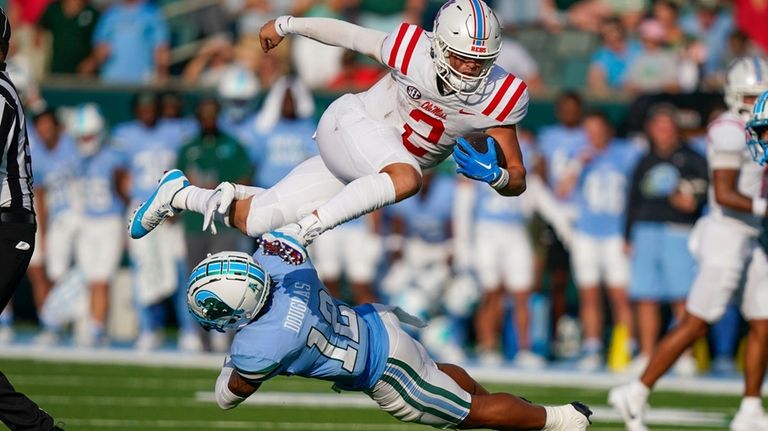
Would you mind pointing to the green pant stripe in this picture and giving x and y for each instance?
(426, 385)
(415, 404)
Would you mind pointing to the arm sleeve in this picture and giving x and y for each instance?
(224, 396)
(335, 32)
(728, 141)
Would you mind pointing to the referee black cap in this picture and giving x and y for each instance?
(5, 26)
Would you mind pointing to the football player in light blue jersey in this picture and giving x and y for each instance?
(281, 136)
(56, 199)
(99, 242)
(597, 180)
(557, 145)
(286, 323)
(419, 278)
(56, 206)
(503, 261)
(149, 149)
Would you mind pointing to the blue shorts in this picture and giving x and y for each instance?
(662, 267)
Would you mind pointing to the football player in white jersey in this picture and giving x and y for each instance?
(374, 145)
(729, 257)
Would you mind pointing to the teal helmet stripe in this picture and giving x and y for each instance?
(760, 104)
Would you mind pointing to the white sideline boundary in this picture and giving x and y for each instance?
(656, 416)
(502, 375)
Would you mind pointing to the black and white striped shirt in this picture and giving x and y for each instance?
(15, 161)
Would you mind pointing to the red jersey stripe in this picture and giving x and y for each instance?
(411, 47)
(499, 95)
(396, 46)
(512, 102)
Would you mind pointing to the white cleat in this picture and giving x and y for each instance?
(290, 241)
(631, 410)
(749, 422)
(157, 208)
(571, 417)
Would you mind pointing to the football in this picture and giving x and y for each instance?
(479, 141)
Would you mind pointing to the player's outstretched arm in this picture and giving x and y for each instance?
(325, 30)
(231, 388)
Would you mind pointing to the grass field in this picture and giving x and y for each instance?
(111, 397)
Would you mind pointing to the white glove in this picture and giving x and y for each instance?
(223, 196)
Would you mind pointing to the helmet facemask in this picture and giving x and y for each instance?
(461, 83)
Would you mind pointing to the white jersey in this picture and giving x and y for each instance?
(727, 149)
(409, 99)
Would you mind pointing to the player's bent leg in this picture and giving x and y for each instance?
(755, 357)
(460, 376)
(672, 346)
(361, 196)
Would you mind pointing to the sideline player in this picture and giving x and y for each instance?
(286, 323)
(374, 145)
(728, 254)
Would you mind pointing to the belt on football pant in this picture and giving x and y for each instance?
(17, 216)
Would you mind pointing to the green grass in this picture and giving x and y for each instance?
(106, 397)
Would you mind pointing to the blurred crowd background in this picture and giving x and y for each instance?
(118, 91)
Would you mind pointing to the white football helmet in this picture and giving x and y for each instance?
(227, 290)
(746, 76)
(756, 127)
(470, 29)
(86, 124)
(237, 89)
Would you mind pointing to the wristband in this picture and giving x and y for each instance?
(502, 181)
(281, 25)
(759, 206)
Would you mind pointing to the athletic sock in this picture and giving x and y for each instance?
(359, 197)
(192, 198)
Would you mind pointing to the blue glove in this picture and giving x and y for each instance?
(476, 165)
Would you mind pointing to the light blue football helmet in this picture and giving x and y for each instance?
(227, 290)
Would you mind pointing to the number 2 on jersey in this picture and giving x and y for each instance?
(437, 128)
(347, 328)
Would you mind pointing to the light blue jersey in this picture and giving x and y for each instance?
(56, 171)
(148, 153)
(242, 130)
(97, 182)
(427, 215)
(557, 145)
(491, 206)
(602, 190)
(304, 331)
(277, 151)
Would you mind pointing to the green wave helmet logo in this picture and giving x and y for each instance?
(213, 307)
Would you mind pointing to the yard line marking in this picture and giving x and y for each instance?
(249, 425)
(656, 416)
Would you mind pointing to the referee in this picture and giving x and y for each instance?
(17, 229)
